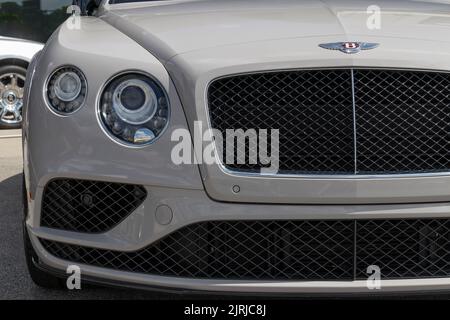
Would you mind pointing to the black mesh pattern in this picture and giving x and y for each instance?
(401, 119)
(404, 248)
(235, 250)
(311, 109)
(88, 206)
(284, 250)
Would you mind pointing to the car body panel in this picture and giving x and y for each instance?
(185, 45)
(242, 286)
(285, 36)
(190, 206)
(194, 206)
(169, 28)
(83, 149)
(12, 48)
(192, 72)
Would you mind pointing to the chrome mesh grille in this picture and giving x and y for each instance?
(315, 129)
(284, 250)
(401, 119)
(404, 248)
(88, 206)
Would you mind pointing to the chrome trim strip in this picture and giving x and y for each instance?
(355, 153)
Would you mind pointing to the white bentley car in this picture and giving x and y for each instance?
(251, 146)
(15, 56)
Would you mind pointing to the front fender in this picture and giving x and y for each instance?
(76, 145)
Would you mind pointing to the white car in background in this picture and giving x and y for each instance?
(15, 55)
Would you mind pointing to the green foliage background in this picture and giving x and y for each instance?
(27, 21)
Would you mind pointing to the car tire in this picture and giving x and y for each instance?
(39, 277)
(20, 72)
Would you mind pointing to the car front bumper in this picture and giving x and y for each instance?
(141, 229)
(99, 276)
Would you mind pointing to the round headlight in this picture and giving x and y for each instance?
(66, 90)
(134, 109)
(67, 86)
(134, 101)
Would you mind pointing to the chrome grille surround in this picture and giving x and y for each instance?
(357, 122)
(283, 250)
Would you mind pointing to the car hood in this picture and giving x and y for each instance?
(169, 28)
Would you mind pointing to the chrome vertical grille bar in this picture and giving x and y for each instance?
(355, 150)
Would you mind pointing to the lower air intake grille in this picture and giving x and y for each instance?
(284, 250)
(88, 206)
(404, 248)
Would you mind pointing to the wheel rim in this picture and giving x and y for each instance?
(11, 97)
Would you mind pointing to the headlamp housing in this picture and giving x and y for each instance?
(134, 109)
(66, 90)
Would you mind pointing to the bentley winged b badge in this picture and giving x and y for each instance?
(349, 47)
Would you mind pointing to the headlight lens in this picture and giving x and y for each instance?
(134, 108)
(134, 101)
(66, 90)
